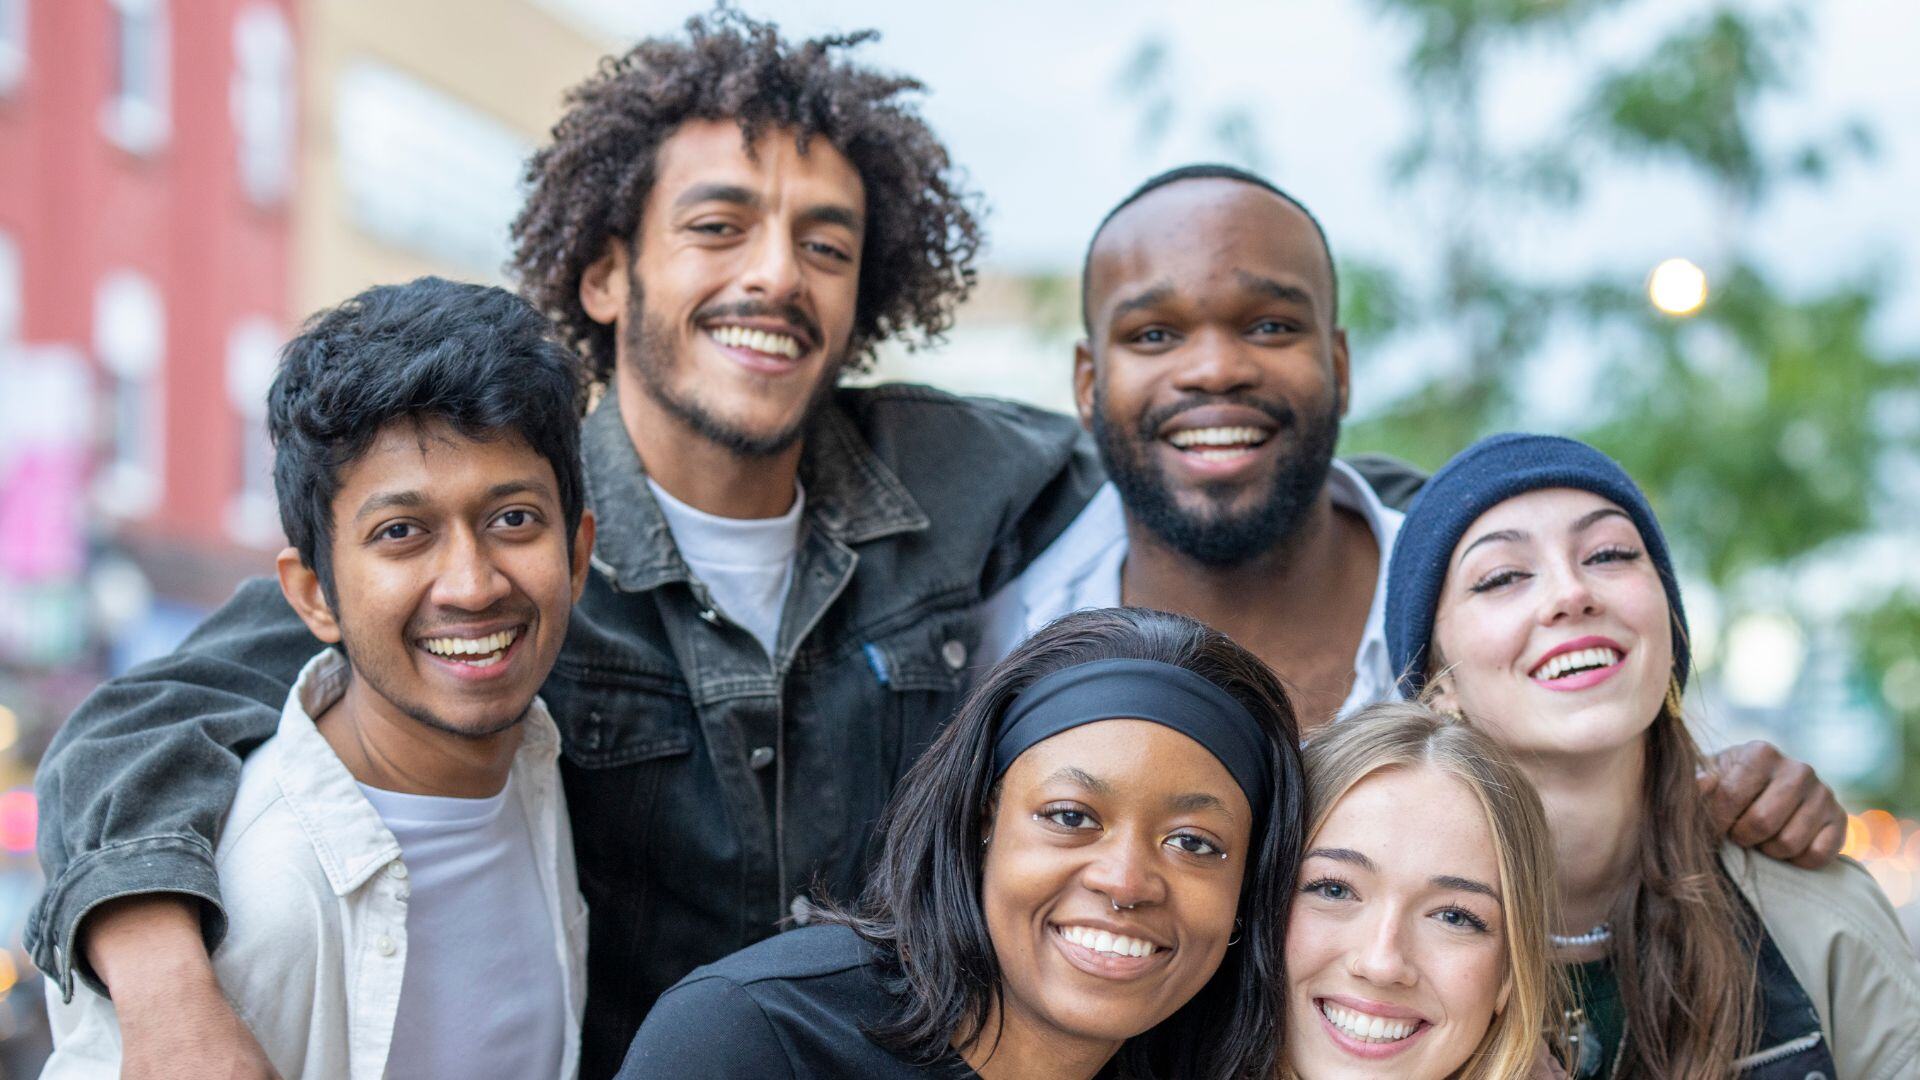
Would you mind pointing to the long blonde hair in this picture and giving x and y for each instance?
(1404, 735)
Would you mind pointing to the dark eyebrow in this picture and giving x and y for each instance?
(383, 500)
(831, 215)
(1199, 800)
(727, 193)
(1587, 521)
(1461, 884)
(1158, 294)
(1292, 294)
(1345, 855)
(518, 487)
(1493, 537)
(1082, 778)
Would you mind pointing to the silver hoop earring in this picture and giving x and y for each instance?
(1235, 939)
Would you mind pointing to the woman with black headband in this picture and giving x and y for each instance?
(1087, 874)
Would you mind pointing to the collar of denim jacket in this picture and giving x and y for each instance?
(852, 496)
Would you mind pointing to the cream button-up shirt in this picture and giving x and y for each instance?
(316, 896)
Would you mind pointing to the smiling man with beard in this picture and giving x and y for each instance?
(781, 612)
(1214, 375)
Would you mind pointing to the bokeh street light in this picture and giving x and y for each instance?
(1677, 287)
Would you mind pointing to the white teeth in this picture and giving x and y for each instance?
(1366, 1027)
(1217, 436)
(765, 341)
(1578, 660)
(485, 649)
(1101, 941)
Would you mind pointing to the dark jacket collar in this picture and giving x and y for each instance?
(851, 496)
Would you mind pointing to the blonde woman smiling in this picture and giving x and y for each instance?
(1532, 587)
(1417, 947)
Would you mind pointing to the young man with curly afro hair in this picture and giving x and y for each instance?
(783, 608)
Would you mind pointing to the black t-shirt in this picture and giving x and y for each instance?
(793, 1006)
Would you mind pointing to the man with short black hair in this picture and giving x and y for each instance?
(397, 867)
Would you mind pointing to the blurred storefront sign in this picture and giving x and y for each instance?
(45, 438)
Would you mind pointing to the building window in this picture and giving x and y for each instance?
(136, 115)
(253, 355)
(13, 301)
(452, 194)
(13, 43)
(262, 99)
(129, 334)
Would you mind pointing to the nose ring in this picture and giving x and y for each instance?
(1118, 906)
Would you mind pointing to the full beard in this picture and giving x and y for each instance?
(1220, 537)
(653, 354)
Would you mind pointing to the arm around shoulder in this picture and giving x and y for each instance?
(707, 1026)
(133, 788)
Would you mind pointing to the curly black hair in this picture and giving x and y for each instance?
(590, 183)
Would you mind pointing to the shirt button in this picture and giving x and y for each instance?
(802, 910)
(384, 945)
(955, 654)
(761, 757)
(710, 616)
(403, 895)
(396, 868)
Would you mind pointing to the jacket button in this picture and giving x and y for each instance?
(709, 616)
(802, 910)
(761, 757)
(384, 945)
(955, 654)
(398, 869)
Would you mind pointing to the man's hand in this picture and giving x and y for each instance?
(174, 1021)
(1760, 798)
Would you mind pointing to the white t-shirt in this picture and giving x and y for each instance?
(483, 994)
(746, 563)
(1081, 569)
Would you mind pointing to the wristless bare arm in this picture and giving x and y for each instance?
(174, 1020)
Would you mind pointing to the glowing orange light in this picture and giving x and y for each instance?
(1858, 838)
(9, 973)
(1883, 831)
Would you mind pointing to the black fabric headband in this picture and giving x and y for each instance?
(1142, 690)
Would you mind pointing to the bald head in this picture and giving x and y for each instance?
(1215, 183)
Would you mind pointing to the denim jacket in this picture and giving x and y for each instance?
(712, 788)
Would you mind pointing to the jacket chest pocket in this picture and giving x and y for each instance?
(925, 669)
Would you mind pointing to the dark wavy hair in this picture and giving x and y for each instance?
(590, 183)
(922, 909)
(474, 357)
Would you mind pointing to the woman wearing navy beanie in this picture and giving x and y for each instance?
(1531, 591)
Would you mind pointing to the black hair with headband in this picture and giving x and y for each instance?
(1141, 690)
(923, 911)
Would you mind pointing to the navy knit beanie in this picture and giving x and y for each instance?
(1480, 477)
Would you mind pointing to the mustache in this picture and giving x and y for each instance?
(754, 309)
(1281, 413)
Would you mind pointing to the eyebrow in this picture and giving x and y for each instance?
(1292, 294)
(1082, 778)
(1586, 521)
(1158, 294)
(1199, 800)
(387, 500)
(826, 213)
(1461, 884)
(1345, 855)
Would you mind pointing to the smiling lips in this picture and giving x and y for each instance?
(1218, 443)
(1374, 1033)
(478, 652)
(767, 342)
(1578, 664)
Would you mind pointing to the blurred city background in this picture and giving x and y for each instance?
(1683, 230)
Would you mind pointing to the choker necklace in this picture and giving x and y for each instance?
(1599, 935)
